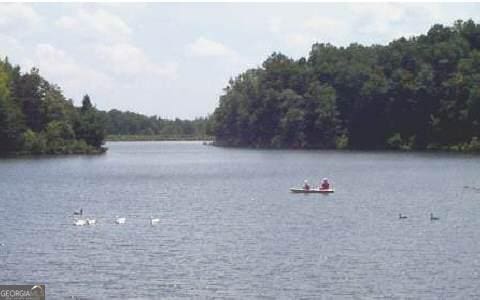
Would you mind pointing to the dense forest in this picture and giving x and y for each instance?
(420, 92)
(35, 117)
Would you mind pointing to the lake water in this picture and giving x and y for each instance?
(229, 228)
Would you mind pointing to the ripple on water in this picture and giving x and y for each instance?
(230, 229)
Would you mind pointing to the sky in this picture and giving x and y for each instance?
(174, 59)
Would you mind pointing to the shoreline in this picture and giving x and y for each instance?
(153, 138)
(100, 151)
(445, 150)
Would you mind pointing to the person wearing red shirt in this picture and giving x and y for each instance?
(325, 185)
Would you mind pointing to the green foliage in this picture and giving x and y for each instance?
(396, 142)
(36, 118)
(34, 143)
(58, 135)
(86, 104)
(474, 145)
(341, 142)
(416, 93)
(90, 126)
(11, 121)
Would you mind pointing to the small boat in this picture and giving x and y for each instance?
(312, 191)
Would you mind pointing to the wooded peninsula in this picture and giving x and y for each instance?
(35, 117)
(421, 93)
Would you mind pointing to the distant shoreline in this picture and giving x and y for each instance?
(209, 140)
(137, 138)
(444, 149)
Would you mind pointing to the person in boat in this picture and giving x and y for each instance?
(325, 185)
(305, 185)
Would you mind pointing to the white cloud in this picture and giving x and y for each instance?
(322, 24)
(328, 30)
(58, 67)
(126, 59)
(67, 22)
(366, 23)
(379, 19)
(382, 22)
(17, 16)
(205, 47)
(9, 46)
(96, 23)
(275, 24)
(302, 35)
(300, 40)
(111, 43)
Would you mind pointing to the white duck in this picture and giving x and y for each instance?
(119, 220)
(154, 221)
(80, 222)
(91, 221)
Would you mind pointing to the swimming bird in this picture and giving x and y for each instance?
(154, 221)
(80, 222)
(432, 218)
(91, 221)
(78, 213)
(400, 216)
(120, 220)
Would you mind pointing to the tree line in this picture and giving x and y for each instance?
(421, 92)
(36, 118)
(128, 125)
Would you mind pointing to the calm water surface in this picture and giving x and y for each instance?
(229, 228)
